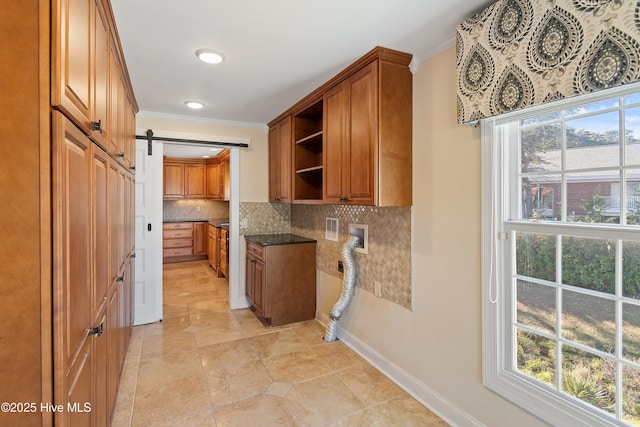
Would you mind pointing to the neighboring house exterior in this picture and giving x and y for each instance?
(583, 188)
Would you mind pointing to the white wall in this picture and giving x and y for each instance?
(254, 184)
(438, 342)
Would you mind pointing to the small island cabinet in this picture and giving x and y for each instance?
(281, 277)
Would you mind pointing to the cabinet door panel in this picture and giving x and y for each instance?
(100, 229)
(361, 156)
(199, 241)
(195, 181)
(114, 223)
(283, 156)
(173, 180)
(100, 92)
(214, 190)
(335, 129)
(72, 284)
(258, 288)
(72, 43)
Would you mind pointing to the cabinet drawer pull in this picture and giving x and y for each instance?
(120, 279)
(344, 199)
(98, 330)
(97, 126)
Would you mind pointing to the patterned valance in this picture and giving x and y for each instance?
(518, 53)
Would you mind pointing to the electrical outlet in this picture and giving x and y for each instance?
(197, 208)
(378, 289)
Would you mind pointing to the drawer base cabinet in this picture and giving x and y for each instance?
(184, 241)
(281, 280)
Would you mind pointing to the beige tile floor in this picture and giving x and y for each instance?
(206, 365)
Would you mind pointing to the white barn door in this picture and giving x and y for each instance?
(148, 225)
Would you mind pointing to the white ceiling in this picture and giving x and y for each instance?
(276, 51)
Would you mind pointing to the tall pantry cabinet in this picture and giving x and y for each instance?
(67, 173)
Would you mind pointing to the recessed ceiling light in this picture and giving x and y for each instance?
(195, 105)
(206, 157)
(209, 56)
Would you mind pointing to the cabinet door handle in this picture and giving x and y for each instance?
(344, 199)
(97, 126)
(120, 154)
(120, 279)
(98, 330)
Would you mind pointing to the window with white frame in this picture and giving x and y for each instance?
(561, 258)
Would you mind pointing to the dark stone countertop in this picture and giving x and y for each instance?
(277, 239)
(214, 221)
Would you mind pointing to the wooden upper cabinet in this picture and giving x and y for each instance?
(173, 176)
(367, 154)
(280, 168)
(184, 180)
(215, 188)
(71, 56)
(195, 181)
(101, 48)
(89, 82)
(351, 124)
(361, 154)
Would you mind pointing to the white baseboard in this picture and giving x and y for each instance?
(436, 403)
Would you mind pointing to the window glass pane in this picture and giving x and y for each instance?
(589, 263)
(536, 306)
(541, 197)
(632, 99)
(631, 269)
(631, 395)
(537, 356)
(539, 119)
(593, 141)
(536, 256)
(540, 148)
(589, 197)
(589, 378)
(589, 320)
(633, 196)
(631, 332)
(594, 106)
(632, 129)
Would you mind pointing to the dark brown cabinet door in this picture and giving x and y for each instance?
(350, 132)
(335, 134)
(258, 286)
(280, 167)
(359, 155)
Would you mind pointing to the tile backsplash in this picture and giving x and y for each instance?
(388, 260)
(188, 209)
(265, 218)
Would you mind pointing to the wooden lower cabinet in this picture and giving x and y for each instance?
(211, 244)
(92, 312)
(281, 279)
(184, 241)
(200, 240)
(224, 256)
